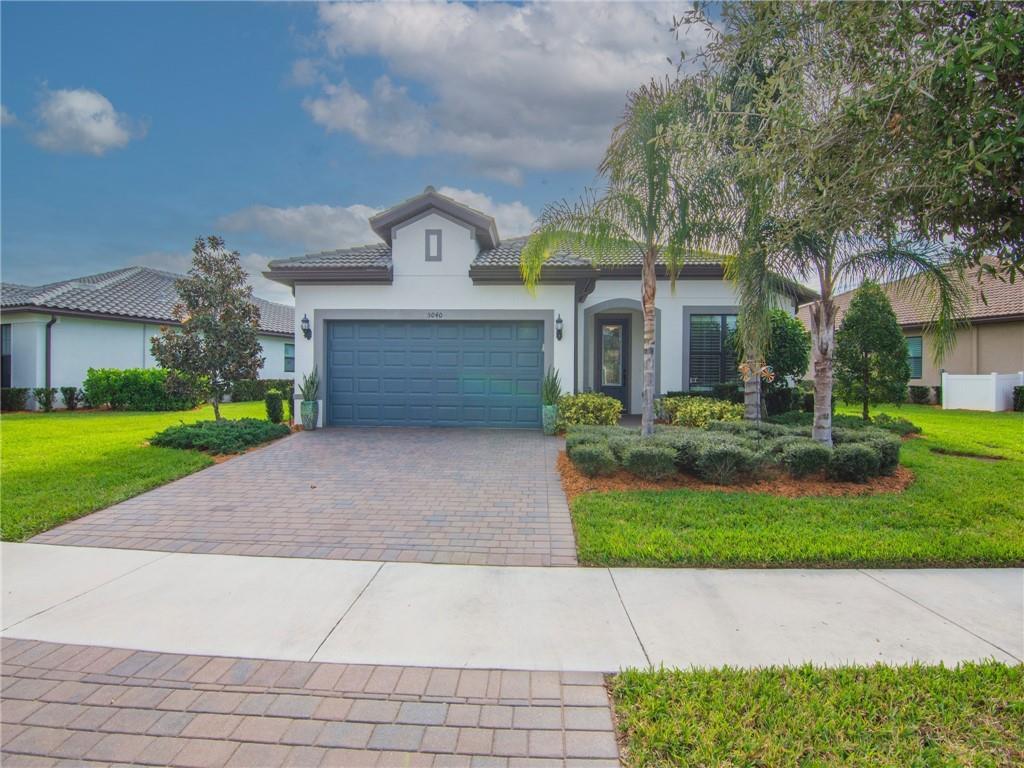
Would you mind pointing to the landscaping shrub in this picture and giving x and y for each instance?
(723, 463)
(896, 424)
(137, 389)
(587, 408)
(649, 458)
(805, 457)
(623, 442)
(13, 398)
(687, 444)
(44, 397)
(593, 459)
(695, 411)
(854, 462)
(256, 389)
(730, 392)
(225, 436)
(920, 395)
(937, 395)
(1018, 398)
(887, 449)
(71, 397)
(781, 400)
(807, 401)
(275, 406)
(750, 429)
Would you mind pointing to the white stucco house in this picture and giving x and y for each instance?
(432, 325)
(52, 334)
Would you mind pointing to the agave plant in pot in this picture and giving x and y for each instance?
(550, 391)
(310, 391)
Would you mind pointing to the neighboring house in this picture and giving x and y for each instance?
(432, 325)
(992, 342)
(52, 334)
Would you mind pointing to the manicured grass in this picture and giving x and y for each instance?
(58, 466)
(959, 511)
(854, 717)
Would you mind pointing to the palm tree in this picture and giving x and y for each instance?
(652, 204)
(843, 259)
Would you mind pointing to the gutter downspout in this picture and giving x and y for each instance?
(49, 348)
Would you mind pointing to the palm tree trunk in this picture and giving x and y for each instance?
(822, 344)
(647, 397)
(752, 392)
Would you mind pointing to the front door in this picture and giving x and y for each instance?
(611, 374)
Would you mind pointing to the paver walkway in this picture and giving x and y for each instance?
(477, 496)
(101, 705)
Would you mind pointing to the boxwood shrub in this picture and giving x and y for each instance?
(594, 408)
(71, 396)
(134, 389)
(725, 463)
(856, 462)
(806, 457)
(14, 398)
(649, 459)
(224, 436)
(45, 397)
(594, 459)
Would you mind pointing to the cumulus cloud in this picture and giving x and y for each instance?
(507, 86)
(313, 227)
(304, 73)
(512, 218)
(82, 121)
(6, 116)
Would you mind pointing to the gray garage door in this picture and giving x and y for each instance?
(422, 373)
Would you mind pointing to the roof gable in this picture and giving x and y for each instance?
(483, 225)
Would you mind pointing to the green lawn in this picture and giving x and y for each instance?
(854, 717)
(58, 466)
(959, 511)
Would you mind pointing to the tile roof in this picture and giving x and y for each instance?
(507, 255)
(138, 292)
(912, 308)
(373, 255)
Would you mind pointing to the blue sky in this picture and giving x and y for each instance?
(130, 129)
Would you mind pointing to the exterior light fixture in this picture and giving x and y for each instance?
(558, 327)
(306, 330)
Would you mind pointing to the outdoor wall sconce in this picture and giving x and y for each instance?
(306, 330)
(558, 327)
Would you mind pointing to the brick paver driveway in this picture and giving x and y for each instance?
(87, 705)
(426, 495)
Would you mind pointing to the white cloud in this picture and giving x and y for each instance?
(510, 86)
(82, 121)
(6, 116)
(314, 227)
(253, 263)
(304, 73)
(512, 218)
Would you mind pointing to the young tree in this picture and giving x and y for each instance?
(217, 341)
(871, 352)
(788, 352)
(654, 204)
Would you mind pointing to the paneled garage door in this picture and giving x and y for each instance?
(434, 373)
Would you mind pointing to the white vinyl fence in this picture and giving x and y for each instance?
(982, 392)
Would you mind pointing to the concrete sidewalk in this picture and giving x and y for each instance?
(585, 619)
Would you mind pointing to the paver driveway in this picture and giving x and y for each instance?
(425, 495)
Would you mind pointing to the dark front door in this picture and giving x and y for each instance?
(611, 374)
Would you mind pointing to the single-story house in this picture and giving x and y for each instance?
(991, 341)
(52, 334)
(432, 325)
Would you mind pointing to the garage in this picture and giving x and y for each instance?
(434, 373)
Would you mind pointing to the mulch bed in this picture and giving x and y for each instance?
(575, 483)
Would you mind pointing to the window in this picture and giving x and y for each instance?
(611, 355)
(914, 350)
(289, 358)
(433, 245)
(5, 351)
(712, 360)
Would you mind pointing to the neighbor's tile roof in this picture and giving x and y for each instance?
(913, 307)
(361, 256)
(140, 292)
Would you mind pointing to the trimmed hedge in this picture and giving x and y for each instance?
(224, 436)
(45, 397)
(275, 406)
(593, 459)
(72, 397)
(729, 452)
(587, 408)
(135, 389)
(256, 389)
(1018, 398)
(696, 411)
(920, 395)
(14, 398)
(896, 424)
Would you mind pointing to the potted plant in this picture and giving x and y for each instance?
(310, 408)
(550, 391)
